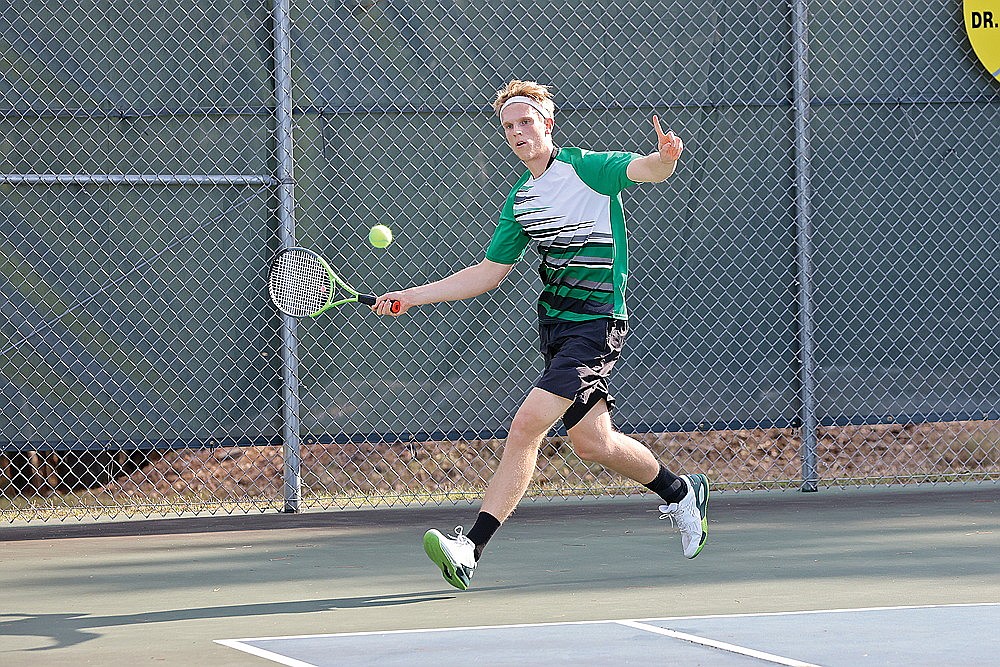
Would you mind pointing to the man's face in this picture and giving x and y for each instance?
(528, 134)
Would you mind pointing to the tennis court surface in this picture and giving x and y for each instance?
(880, 576)
(885, 636)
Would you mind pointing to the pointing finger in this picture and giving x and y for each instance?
(656, 126)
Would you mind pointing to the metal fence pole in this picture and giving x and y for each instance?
(803, 222)
(286, 232)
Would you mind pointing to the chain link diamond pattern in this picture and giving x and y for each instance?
(141, 363)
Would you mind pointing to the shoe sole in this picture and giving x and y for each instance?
(701, 481)
(432, 547)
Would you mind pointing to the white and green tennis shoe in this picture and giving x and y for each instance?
(454, 555)
(690, 515)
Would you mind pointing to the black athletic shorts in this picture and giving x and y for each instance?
(578, 358)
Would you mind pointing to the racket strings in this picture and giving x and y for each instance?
(299, 284)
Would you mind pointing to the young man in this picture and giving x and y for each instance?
(569, 203)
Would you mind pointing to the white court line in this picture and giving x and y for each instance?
(262, 653)
(712, 643)
(418, 631)
(811, 612)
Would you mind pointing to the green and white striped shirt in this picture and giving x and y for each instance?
(574, 212)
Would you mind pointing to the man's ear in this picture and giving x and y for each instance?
(549, 124)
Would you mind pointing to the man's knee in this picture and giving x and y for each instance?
(527, 429)
(593, 437)
(537, 415)
(592, 445)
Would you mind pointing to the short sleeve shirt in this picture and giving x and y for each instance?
(574, 213)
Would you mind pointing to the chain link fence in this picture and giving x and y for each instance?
(813, 295)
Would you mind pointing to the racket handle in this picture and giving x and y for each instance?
(370, 300)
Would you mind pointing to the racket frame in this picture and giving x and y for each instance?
(335, 281)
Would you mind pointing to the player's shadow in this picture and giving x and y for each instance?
(70, 629)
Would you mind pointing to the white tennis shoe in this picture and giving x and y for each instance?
(456, 556)
(690, 515)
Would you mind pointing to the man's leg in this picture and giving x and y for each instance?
(534, 419)
(457, 557)
(595, 439)
(686, 497)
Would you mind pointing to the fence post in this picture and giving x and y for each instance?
(286, 232)
(803, 222)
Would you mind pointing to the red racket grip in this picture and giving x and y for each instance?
(369, 300)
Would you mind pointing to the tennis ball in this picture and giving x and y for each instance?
(380, 236)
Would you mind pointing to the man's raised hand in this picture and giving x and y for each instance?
(670, 145)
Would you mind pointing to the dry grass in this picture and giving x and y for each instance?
(372, 474)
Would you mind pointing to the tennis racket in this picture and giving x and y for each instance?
(302, 284)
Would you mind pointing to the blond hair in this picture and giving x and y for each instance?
(529, 89)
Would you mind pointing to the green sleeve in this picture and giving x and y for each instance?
(509, 240)
(605, 172)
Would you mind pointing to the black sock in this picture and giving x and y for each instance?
(486, 524)
(668, 486)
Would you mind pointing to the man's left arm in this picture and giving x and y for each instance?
(657, 166)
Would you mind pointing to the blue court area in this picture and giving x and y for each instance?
(903, 636)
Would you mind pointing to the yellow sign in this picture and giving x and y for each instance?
(982, 23)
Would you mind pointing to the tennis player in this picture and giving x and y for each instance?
(568, 202)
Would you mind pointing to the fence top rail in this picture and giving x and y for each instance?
(137, 179)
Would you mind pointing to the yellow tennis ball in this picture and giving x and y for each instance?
(380, 236)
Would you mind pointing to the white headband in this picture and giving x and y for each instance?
(521, 99)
